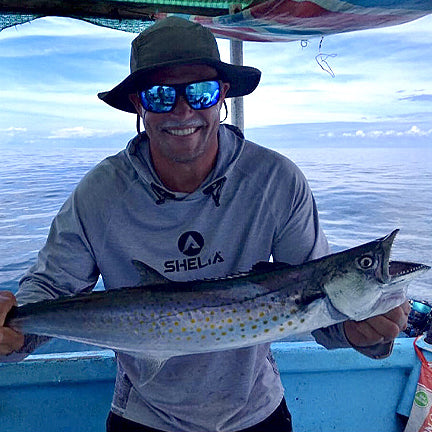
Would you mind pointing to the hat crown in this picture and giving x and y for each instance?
(171, 39)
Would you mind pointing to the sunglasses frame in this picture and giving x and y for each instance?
(180, 90)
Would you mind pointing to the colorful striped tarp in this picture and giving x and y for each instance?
(288, 20)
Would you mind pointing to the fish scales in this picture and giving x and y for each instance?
(273, 301)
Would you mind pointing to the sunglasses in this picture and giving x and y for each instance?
(163, 98)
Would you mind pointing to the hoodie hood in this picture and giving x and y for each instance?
(231, 144)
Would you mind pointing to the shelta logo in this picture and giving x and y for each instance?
(191, 244)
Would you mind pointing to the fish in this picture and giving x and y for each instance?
(272, 301)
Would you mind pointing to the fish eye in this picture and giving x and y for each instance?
(366, 262)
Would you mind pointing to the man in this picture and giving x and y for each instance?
(192, 199)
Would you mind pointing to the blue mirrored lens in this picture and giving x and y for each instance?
(202, 95)
(162, 98)
(158, 98)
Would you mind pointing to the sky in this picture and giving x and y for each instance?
(53, 68)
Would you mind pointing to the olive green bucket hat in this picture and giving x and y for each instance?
(176, 41)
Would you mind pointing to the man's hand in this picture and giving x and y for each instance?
(379, 329)
(9, 340)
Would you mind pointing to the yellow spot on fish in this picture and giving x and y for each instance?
(242, 325)
(275, 318)
(198, 329)
(162, 323)
(188, 338)
(254, 327)
(290, 323)
(223, 333)
(203, 337)
(170, 330)
(183, 329)
(229, 320)
(176, 323)
(212, 326)
(266, 330)
(261, 314)
(302, 320)
(207, 319)
(281, 329)
(193, 321)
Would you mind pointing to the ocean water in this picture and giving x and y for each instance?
(362, 193)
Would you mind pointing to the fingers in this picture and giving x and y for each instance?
(7, 300)
(9, 339)
(379, 329)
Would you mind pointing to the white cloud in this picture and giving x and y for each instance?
(12, 130)
(79, 132)
(412, 131)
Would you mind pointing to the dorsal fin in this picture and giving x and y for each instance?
(149, 276)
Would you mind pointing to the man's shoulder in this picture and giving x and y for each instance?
(260, 159)
(111, 174)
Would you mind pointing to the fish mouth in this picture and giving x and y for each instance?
(391, 272)
(401, 270)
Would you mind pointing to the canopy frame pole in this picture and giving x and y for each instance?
(236, 58)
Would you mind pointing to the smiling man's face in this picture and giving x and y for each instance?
(184, 135)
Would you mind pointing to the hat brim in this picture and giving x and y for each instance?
(243, 80)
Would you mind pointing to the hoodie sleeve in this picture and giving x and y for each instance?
(66, 264)
(299, 237)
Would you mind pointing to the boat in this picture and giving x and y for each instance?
(339, 390)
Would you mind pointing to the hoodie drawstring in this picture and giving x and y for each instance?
(162, 194)
(215, 190)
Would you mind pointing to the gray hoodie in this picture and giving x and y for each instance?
(254, 204)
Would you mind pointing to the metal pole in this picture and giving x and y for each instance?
(236, 58)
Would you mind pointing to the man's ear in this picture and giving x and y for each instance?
(137, 104)
(224, 90)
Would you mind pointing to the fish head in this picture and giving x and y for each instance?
(364, 282)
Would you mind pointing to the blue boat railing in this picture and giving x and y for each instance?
(337, 390)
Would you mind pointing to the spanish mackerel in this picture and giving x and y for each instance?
(272, 301)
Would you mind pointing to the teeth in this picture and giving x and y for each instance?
(182, 132)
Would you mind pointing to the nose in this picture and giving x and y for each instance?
(182, 108)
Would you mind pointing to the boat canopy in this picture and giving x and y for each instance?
(246, 20)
